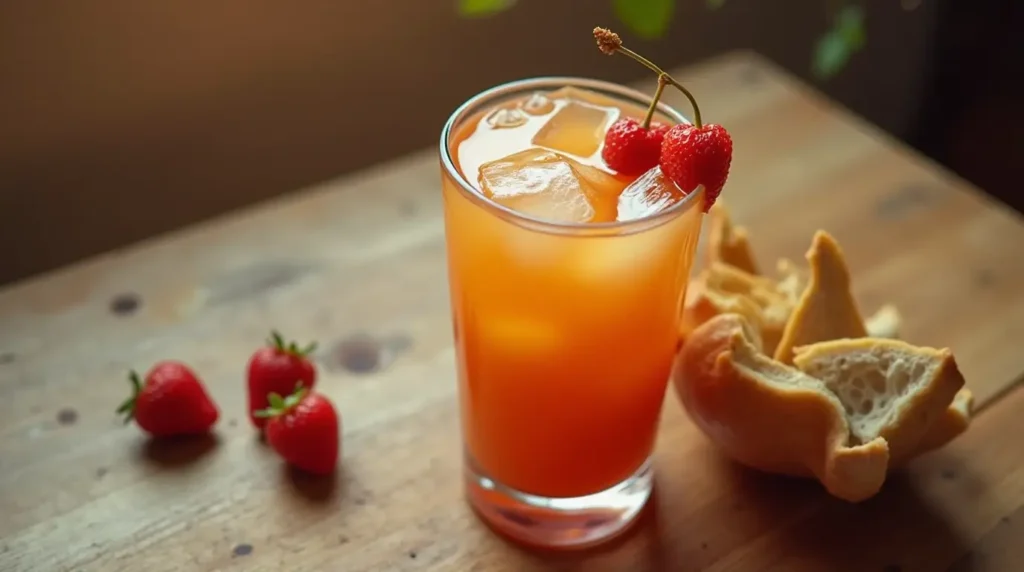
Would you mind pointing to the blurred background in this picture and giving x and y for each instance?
(123, 119)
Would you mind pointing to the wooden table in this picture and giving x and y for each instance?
(359, 265)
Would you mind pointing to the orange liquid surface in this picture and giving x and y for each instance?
(564, 341)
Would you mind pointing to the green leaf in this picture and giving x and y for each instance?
(850, 24)
(275, 401)
(838, 45)
(715, 4)
(482, 8)
(648, 19)
(830, 55)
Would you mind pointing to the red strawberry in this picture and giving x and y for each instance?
(630, 149)
(693, 156)
(276, 368)
(303, 429)
(172, 401)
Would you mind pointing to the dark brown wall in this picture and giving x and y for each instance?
(121, 119)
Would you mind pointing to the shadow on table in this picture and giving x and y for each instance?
(317, 489)
(179, 451)
(793, 524)
(897, 530)
(762, 522)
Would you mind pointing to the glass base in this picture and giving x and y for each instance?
(562, 523)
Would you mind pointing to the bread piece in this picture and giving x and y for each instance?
(704, 303)
(950, 424)
(826, 309)
(769, 304)
(726, 243)
(771, 416)
(792, 280)
(884, 323)
(732, 279)
(721, 288)
(888, 388)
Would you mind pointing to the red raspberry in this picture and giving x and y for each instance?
(630, 149)
(693, 156)
(690, 155)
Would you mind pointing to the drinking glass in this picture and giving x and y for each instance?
(565, 336)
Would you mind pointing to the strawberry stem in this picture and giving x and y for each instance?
(277, 341)
(609, 43)
(662, 81)
(281, 405)
(127, 408)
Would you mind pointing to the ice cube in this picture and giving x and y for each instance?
(538, 104)
(577, 128)
(504, 118)
(620, 260)
(603, 190)
(584, 95)
(649, 194)
(520, 335)
(601, 181)
(540, 183)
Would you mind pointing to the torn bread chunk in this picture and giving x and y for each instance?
(703, 303)
(771, 416)
(727, 243)
(846, 413)
(826, 309)
(950, 424)
(888, 388)
(721, 288)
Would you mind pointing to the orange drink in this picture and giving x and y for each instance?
(567, 281)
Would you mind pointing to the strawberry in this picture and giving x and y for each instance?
(632, 149)
(693, 156)
(690, 155)
(172, 401)
(275, 368)
(303, 429)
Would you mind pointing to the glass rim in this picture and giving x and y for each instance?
(469, 190)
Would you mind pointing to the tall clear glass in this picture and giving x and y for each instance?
(565, 336)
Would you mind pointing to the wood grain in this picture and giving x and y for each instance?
(358, 264)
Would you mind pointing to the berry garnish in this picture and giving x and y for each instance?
(690, 155)
(632, 147)
(275, 368)
(303, 429)
(171, 401)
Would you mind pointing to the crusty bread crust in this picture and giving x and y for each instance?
(793, 420)
(953, 421)
(826, 309)
(770, 416)
(727, 243)
(704, 303)
(721, 289)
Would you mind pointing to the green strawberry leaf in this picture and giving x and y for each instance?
(648, 19)
(483, 8)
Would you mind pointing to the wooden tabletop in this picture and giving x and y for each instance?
(358, 264)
